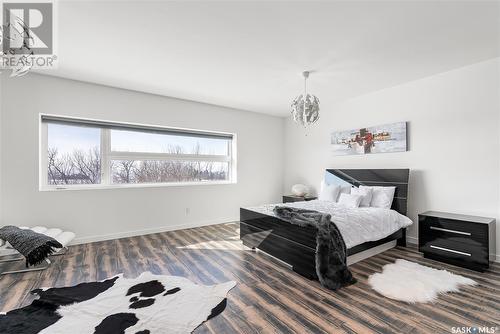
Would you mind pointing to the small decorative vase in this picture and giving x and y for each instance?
(300, 190)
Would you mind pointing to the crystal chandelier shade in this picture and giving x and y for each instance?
(305, 107)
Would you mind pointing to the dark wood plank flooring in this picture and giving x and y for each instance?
(268, 297)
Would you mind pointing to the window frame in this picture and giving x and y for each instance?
(107, 155)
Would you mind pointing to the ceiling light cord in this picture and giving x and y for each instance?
(306, 75)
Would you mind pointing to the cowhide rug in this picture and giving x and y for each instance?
(148, 304)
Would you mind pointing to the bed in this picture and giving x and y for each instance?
(366, 231)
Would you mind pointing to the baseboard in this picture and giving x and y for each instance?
(414, 241)
(119, 235)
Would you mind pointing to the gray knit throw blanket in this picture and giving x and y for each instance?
(331, 252)
(35, 247)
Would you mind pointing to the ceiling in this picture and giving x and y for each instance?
(250, 55)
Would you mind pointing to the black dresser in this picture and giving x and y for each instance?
(465, 241)
(293, 198)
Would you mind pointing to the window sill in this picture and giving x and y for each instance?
(128, 186)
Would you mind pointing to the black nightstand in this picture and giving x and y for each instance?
(465, 241)
(293, 198)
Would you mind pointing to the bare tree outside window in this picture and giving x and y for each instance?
(123, 171)
(159, 171)
(79, 167)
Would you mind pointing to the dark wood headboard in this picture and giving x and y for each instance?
(375, 177)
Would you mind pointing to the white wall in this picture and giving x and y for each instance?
(1, 155)
(119, 212)
(453, 137)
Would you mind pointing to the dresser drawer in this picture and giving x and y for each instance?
(469, 233)
(472, 257)
(456, 250)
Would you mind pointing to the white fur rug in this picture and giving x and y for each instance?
(414, 283)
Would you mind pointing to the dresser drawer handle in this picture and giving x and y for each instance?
(447, 230)
(450, 250)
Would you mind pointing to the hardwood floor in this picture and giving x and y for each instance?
(268, 297)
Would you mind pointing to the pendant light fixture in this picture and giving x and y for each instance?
(305, 107)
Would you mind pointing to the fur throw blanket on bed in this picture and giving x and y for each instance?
(35, 247)
(331, 251)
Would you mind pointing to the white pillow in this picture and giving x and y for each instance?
(381, 197)
(345, 190)
(329, 192)
(350, 200)
(366, 195)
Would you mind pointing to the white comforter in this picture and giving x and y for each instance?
(357, 225)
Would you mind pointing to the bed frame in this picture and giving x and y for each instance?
(296, 245)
